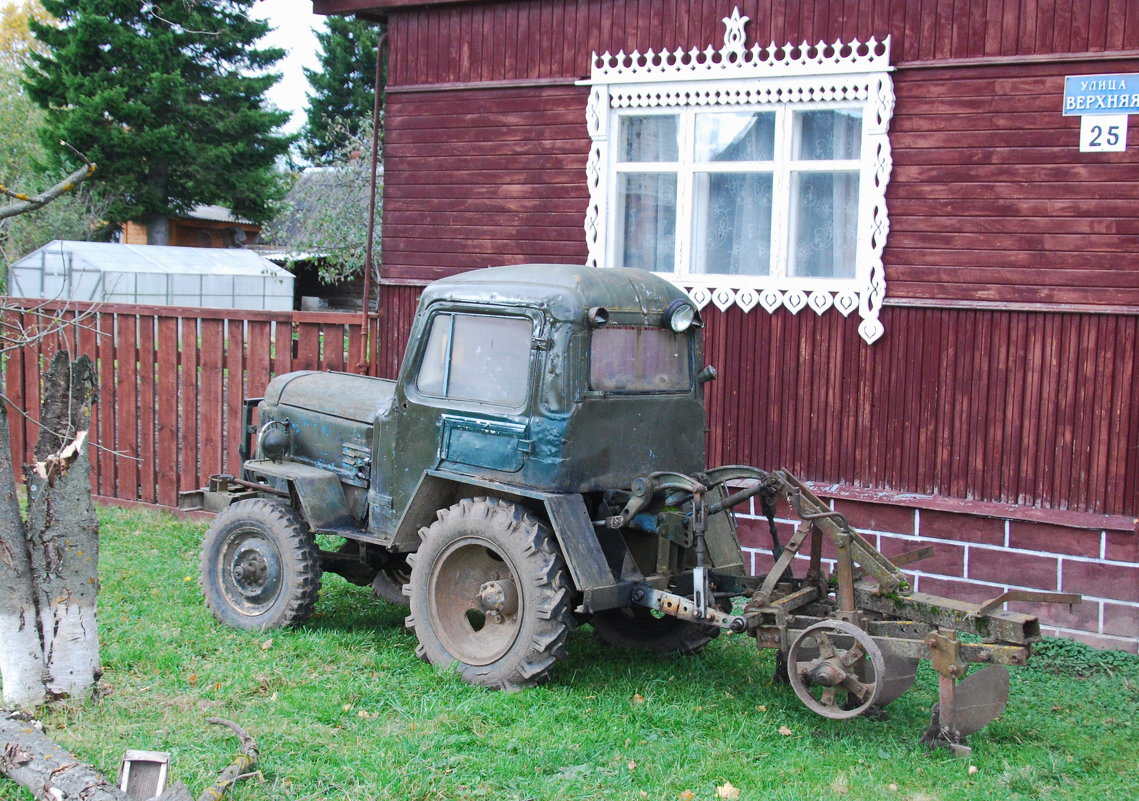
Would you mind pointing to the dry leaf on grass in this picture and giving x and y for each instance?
(686, 795)
(786, 732)
(728, 791)
(638, 698)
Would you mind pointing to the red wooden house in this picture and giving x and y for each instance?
(921, 294)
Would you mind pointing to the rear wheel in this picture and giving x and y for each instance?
(489, 593)
(636, 628)
(259, 566)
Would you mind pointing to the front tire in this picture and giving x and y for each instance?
(260, 568)
(489, 593)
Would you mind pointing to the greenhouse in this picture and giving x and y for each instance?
(225, 278)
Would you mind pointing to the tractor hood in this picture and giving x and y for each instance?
(350, 397)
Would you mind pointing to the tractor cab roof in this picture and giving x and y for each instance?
(565, 291)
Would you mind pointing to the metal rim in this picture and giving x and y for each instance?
(475, 603)
(836, 669)
(250, 568)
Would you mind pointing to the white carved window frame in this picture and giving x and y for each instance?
(850, 73)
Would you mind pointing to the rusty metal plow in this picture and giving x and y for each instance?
(850, 640)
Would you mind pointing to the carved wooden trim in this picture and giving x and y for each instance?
(735, 75)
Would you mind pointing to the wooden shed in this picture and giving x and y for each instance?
(919, 269)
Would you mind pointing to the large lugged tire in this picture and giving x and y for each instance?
(260, 568)
(489, 592)
(636, 628)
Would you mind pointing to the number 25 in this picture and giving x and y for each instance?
(1112, 137)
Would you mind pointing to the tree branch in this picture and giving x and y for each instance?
(240, 768)
(26, 203)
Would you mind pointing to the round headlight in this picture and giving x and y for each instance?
(680, 315)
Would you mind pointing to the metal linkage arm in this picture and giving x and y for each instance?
(834, 524)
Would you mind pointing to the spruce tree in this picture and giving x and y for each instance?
(169, 100)
(343, 89)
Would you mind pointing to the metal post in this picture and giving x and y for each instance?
(367, 357)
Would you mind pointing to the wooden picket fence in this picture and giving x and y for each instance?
(171, 382)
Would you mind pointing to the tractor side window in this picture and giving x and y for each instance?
(628, 359)
(477, 358)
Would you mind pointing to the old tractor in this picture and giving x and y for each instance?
(540, 462)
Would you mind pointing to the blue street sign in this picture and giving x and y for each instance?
(1101, 94)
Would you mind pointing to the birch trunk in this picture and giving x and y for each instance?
(21, 657)
(63, 531)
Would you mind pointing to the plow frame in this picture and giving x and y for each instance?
(862, 618)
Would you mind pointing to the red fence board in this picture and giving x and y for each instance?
(171, 383)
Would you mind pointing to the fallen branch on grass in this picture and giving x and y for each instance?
(38, 764)
(237, 770)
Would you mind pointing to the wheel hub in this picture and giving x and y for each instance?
(251, 572)
(826, 675)
(498, 598)
(251, 569)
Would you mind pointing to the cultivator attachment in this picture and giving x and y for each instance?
(849, 639)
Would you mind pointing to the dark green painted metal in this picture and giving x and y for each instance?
(566, 439)
(320, 493)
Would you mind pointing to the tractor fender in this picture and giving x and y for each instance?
(566, 513)
(319, 493)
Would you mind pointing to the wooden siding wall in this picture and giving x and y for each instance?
(480, 178)
(990, 198)
(171, 383)
(1016, 407)
(541, 39)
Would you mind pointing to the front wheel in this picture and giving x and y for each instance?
(260, 568)
(489, 593)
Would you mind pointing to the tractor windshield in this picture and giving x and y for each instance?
(630, 359)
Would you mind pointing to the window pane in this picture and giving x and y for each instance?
(490, 359)
(430, 378)
(742, 136)
(733, 223)
(648, 214)
(481, 358)
(825, 214)
(828, 135)
(651, 138)
(639, 360)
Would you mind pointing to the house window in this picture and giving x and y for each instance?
(752, 177)
(773, 192)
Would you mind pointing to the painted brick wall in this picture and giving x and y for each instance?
(979, 557)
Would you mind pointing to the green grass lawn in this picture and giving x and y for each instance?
(343, 710)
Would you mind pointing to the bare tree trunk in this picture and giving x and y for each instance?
(63, 531)
(21, 657)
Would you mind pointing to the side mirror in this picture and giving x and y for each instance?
(706, 375)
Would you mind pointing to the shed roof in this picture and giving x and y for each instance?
(121, 258)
